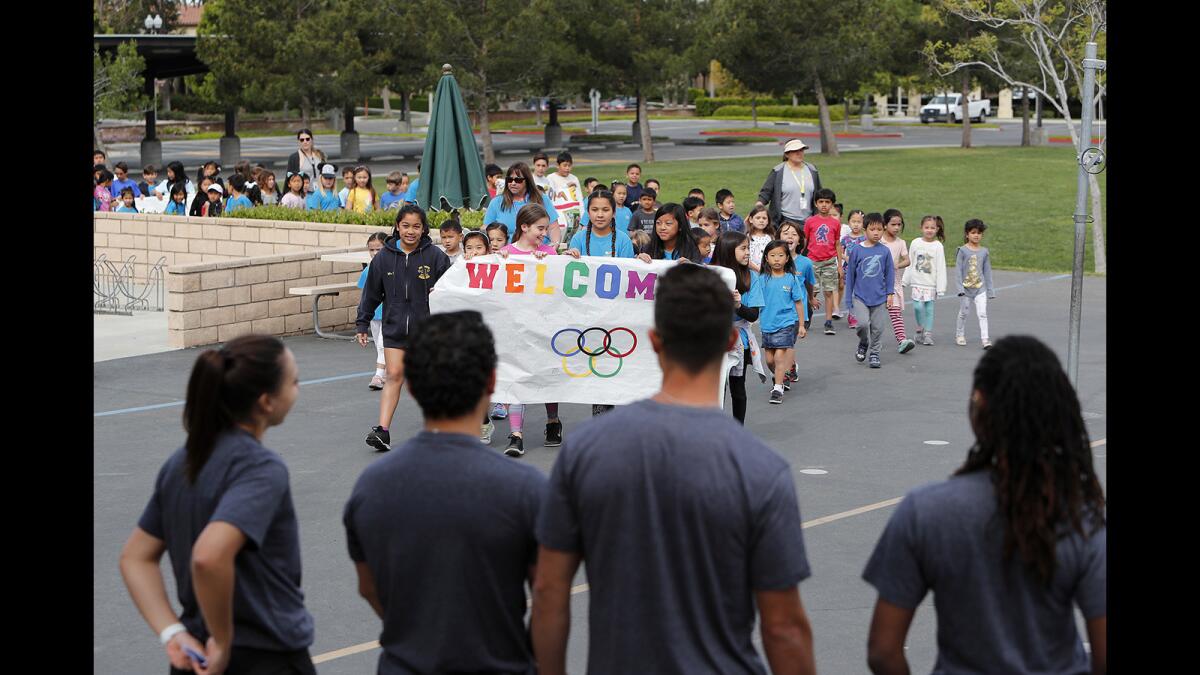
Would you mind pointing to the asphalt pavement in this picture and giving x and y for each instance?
(855, 438)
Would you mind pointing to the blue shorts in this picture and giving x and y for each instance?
(784, 338)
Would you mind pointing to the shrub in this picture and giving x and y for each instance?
(381, 219)
(808, 112)
(705, 107)
(415, 103)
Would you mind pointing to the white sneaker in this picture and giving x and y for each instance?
(960, 340)
(486, 431)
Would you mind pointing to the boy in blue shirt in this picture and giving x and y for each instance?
(237, 200)
(870, 288)
(393, 196)
(324, 198)
(411, 195)
(121, 180)
(730, 221)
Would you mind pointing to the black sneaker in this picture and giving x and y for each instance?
(787, 384)
(875, 361)
(380, 439)
(553, 434)
(776, 396)
(516, 446)
(829, 328)
(792, 375)
(861, 354)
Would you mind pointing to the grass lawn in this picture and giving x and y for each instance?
(1025, 195)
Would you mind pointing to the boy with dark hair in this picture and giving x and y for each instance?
(693, 206)
(822, 232)
(149, 179)
(647, 459)
(589, 184)
(237, 200)
(566, 193)
(730, 221)
(121, 180)
(653, 184)
(495, 179)
(696, 192)
(451, 234)
(458, 486)
(541, 162)
(870, 283)
(633, 189)
(348, 179)
(643, 217)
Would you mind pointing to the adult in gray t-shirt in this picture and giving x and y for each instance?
(684, 520)
(788, 192)
(1012, 543)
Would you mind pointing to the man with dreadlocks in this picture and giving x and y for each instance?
(1010, 543)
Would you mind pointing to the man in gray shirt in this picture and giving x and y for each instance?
(687, 521)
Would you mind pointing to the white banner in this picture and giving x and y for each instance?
(153, 204)
(566, 330)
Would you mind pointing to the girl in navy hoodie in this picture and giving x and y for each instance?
(400, 278)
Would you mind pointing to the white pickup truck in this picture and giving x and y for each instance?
(946, 107)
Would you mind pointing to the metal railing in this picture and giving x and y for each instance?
(117, 291)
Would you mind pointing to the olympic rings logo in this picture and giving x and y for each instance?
(580, 346)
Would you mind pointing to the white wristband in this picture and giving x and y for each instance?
(171, 631)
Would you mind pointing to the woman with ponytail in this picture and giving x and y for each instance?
(1011, 543)
(222, 510)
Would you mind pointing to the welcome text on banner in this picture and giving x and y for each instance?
(566, 330)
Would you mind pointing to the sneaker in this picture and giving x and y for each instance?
(927, 340)
(787, 384)
(829, 328)
(851, 323)
(553, 434)
(516, 446)
(906, 346)
(380, 439)
(498, 411)
(376, 383)
(792, 375)
(776, 396)
(960, 341)
(486, 431)
(874, 361)
(987, 344)
(919, 336)
(861, 354)
(837, 315)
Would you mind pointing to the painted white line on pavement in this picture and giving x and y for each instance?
(1102, 441)
(852, 512)
(176, 404)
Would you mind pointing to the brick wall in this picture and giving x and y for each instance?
(216, 301)
(185, 240)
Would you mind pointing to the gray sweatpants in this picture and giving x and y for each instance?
(871, 321)
(964, 311)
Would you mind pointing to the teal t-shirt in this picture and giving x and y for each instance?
(603, 246)
(779, 301)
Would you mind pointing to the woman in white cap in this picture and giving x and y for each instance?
(788, 191)
(306, 159)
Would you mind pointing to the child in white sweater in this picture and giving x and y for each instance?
(927, 274)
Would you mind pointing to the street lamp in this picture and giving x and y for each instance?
(153, 23)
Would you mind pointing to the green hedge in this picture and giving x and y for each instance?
(415, 103)
(381, 219)
(705, 107)
(794, 112)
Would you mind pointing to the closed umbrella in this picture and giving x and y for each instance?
(450, 168)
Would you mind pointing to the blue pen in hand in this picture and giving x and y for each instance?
(195, 656)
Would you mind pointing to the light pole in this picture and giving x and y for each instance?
(1091, 160)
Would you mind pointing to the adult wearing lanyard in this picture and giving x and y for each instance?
(307, 159)
(519, 189)
(788, 191)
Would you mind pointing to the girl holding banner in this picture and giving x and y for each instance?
(672, 237)
(531, 225)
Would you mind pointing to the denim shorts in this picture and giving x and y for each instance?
(784, 338)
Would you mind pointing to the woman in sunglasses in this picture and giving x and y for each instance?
(519, 190)
(307, 159)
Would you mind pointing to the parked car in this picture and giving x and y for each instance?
(947, 107)
(619, 103)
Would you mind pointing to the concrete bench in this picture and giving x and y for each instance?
(316, 292)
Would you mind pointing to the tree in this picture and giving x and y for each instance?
(117, 84)
(1053, 33)
(638, 45)
(792, 45)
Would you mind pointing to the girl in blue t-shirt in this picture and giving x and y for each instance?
(733, 251)
(600, 238)
(374, 246)
(178, 205)
(671, 238)
(783, 297)
(792, 234)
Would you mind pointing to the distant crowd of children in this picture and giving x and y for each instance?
(787, 272)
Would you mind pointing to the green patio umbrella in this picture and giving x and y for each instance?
(450, 168)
